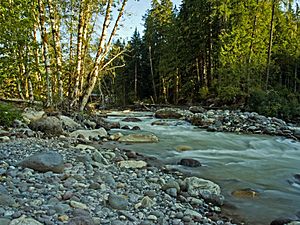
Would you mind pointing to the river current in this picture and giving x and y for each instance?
(265, 164)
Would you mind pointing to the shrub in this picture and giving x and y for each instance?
(279, 103)
(8, 113)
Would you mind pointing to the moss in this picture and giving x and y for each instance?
(8, 113)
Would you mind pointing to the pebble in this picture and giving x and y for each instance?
(109, 193)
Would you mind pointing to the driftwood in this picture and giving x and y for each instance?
(16, 100)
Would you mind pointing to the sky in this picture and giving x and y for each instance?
(136, 9)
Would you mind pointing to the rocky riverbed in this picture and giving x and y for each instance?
(57, 171)
(232, 121)
(57, 181)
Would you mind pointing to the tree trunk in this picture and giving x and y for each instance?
(57, 47)
(135, 81)
(76, 94)
(103, 49)
(295, 77)
(210, 49)
(152, 75)
(44, 38)
(270, 44)
(251, 48)
(176, 96)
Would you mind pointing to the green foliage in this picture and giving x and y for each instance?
(277, 103)
(8, 113)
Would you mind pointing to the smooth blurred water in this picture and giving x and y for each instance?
(234, 161)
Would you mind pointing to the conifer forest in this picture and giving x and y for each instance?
(236, 53)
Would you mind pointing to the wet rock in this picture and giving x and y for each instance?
(283, 221)
(125, 127)
(69, 124)
(131, 164)
(160, 123)
(168, 113)
(23, 220)
(294, 223)
(245, 193)
(297, 133)
(131, 119)
(182, 148)
(139, 138)
(118, 202)
(89, 134)
(48, 125)
(190, 162)
(44, 162)
(136, 128)
(116, 136)
(197, 186)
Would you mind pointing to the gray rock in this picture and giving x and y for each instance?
(118, 202)
(69, 124)
(4, 139)
(6, 200)
(172, 192)
(49, 125)
(98, 157)
(23, 220)
(44, 162)
(171, 184)
(4, 221)
(139, 138)
(131, 119)
(81, 220)
(197, 109)
(198, 186)
(171, 113)
(190, 162)
(146, 202)
(132, 164)
(32, 115)
(90, 134)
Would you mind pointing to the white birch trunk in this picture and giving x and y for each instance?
(57, 47)
(44, 38)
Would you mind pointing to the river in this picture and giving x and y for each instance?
(266, 164)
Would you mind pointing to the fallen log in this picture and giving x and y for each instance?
(17, 100)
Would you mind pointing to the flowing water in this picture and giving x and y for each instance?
(264, 163)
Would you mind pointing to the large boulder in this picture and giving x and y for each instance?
(131, 119)
(48, 125)
(30, 115)
(189, 162)
(197, 109)
(90, 134)
(200, 187)
(171, 113)
(44, 162)
(69, 124)
(139, 138)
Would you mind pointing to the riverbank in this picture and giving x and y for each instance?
(72, 183)
(94, 176)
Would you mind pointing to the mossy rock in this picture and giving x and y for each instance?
(8, 114)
